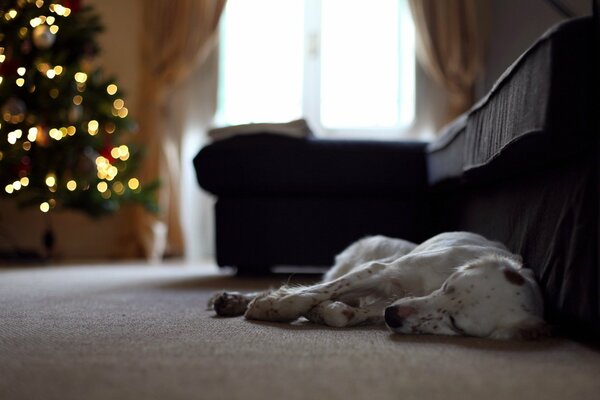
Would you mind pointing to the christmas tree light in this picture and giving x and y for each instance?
(62, 123)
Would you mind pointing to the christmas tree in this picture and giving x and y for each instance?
(63, 124)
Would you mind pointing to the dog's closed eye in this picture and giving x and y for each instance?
(455, 327)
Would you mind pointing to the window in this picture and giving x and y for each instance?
(347, 66)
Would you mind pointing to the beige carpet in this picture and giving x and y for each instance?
(135, 332)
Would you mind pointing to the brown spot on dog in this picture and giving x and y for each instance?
(514, 277)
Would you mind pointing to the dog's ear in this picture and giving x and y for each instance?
(532, 328)
(518, 259)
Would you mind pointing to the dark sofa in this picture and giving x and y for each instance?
(522, 167)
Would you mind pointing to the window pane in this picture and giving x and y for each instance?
(367, 64)
(261, 71)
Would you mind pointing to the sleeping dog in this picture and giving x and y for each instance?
(456, 283)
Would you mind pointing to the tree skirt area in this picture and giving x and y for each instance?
(143, 332)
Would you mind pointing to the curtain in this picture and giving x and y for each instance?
(176, 36)
(450, 38)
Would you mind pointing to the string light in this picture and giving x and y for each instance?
(118, 104)
(54, 29)
(11, 14)
(71, 185)
(32, 134)
(24, 181)
(50, 180)
(13, 136)
(118, 187)
(35, 22)
(45, 207)
(21, 71)
(111, 89)
(20, 82)
(81, 77)
(102, 187)
(133, 184)
(59, 9)
(93, 127)
(121, 152)
(55, 134)
(105, 169)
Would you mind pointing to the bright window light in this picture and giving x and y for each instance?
(262, 61)
(362, 80)
(344, 65)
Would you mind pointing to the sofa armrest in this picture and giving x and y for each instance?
(273, 164)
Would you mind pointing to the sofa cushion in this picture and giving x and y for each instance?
(538, 113)
(279, 165)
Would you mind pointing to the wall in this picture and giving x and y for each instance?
(514, 26)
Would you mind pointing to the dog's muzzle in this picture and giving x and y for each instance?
(395, 315)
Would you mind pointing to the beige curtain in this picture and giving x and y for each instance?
(176, 36)
(450, 39)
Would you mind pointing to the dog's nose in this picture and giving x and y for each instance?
(392, 318)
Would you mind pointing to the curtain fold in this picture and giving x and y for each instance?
(176, 36)
(450, 40)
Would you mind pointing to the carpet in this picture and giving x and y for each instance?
(142, 332)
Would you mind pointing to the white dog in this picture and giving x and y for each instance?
(456, 283)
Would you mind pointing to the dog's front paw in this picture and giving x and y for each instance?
(279, 307)
(228, 304)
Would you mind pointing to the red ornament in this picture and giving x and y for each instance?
(8, 67)
(105, 152)
(74, 5)
(23, 168)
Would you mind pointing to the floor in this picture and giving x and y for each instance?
(143, 332)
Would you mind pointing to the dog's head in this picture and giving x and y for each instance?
(490, 297)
